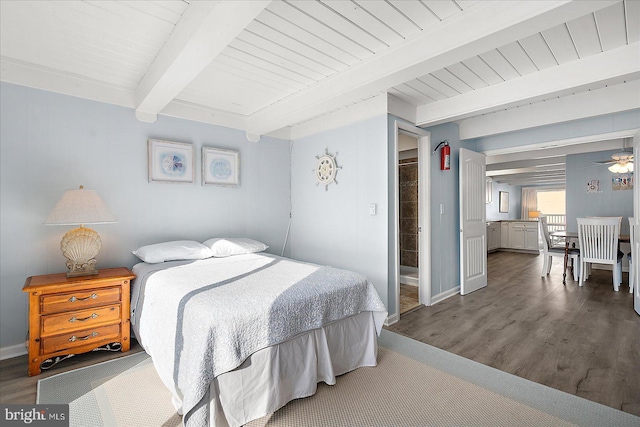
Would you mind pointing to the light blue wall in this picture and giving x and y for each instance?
(580, 170)
(51, 143)
(515, 197)
(334, 227)
(445, 228)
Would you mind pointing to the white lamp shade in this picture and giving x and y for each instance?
(80, 207)
(621, 167)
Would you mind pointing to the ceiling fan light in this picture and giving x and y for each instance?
(621, 167)
(617, 168)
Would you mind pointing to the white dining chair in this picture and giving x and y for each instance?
(631, 256)
(598, 240)
(549, 250)
(619, 218)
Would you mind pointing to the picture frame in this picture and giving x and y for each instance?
(220, 167)
(504, 202)
(171, 162)
(622, 182)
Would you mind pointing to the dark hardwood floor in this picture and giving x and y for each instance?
(584, 341)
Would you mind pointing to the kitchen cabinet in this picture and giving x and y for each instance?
(523, 235)
(493, 236)
(515, 235)
(504, 234)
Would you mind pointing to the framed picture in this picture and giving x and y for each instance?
(171, 162)
(504, 202)
(622, 182)
(220, 167)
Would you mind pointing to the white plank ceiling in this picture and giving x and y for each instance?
(262, 66)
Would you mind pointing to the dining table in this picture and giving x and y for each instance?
(573, 236)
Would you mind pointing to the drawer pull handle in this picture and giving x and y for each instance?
(74, 299)
(74, 318)
(91, 335)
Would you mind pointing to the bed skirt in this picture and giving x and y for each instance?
(276, 375)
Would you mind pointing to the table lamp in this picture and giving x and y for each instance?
(81, 245)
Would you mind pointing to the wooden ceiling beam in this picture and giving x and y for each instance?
(526, 163)
(529, 153)
(611, 66)
(474, 31)
(547, 169)
(599, 101)
(202, 32)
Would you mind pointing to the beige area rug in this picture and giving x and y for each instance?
(400, 391)
(123, 392)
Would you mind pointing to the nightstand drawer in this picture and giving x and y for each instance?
(74, 320)
(72, 340)
(84, 298)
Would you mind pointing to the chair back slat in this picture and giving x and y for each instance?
(544, 230)
(598, 239)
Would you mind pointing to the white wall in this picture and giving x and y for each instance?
(51, 143)
(333, 227)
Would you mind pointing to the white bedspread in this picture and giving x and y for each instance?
(199, 319)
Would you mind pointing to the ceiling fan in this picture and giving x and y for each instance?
(621, 162)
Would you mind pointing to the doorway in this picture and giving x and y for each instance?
(408, 222)
(411, 226)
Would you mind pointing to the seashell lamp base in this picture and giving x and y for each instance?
(80, 246)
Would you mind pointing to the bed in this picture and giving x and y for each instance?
(238, 337)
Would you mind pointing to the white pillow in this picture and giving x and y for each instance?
(173, 251)
(224, 247)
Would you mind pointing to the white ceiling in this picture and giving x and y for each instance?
(265, 66)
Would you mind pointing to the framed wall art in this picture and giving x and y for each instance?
(593, 186)
(504, 202)
(171, 162)
(220, 167)
(622, 182)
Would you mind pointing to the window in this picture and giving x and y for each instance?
(551, 202)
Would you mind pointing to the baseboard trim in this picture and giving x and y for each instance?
(391, 319)
(12, 351)
(444, 295)
(410, 281)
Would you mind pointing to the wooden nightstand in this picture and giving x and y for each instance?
(68, 316)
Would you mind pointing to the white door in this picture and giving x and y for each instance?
(636, 215)
(473, 224)
(424, 220)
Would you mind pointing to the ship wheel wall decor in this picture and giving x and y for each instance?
(326, 169)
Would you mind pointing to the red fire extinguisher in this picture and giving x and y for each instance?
(445, 155)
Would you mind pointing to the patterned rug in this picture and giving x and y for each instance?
(400, 391)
